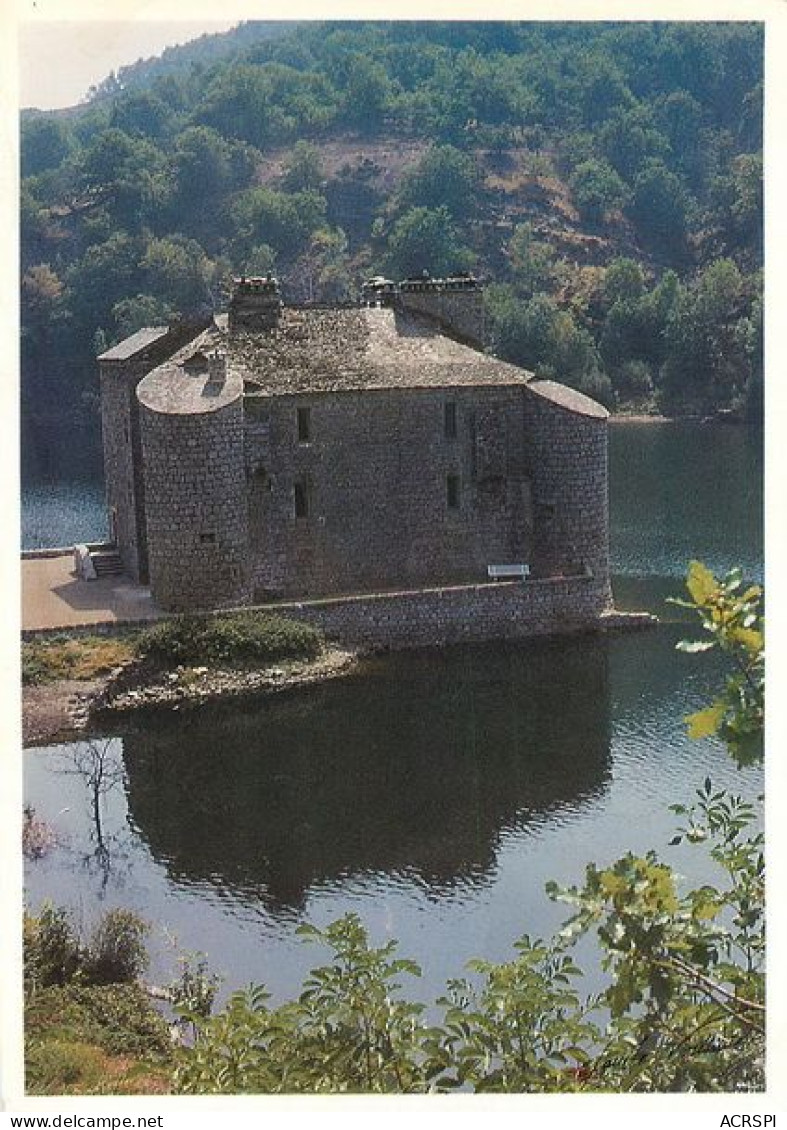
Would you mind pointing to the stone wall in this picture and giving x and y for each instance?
(375, 470)
(124, 492)
(196, 508)
(437, 617)
(461, 312)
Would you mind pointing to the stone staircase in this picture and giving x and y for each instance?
(106, 561)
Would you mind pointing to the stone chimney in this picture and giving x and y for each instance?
(456, 303)
(217, 368)
(255, 305)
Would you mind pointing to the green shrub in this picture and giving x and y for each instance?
(240, 640)
(116, 951)
(117, 1018)
(52, 953)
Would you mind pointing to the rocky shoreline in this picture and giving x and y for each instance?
(65, 709)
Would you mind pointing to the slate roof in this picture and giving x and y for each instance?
(316, 350)
(330, 350)
(138, 341)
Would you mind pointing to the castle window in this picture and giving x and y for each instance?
(207, 538)
(302, 495)
(304, 425)
(452, 492)
(449, 419)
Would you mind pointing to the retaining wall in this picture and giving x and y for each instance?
(434, 617)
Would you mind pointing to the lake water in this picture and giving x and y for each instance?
(433, 793)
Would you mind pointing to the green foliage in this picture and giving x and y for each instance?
(134, 313)
(52, 951)
(54, 954)
(346, 1032)
(660, 206)
(194, 989)
(44, 143)
(303, 171)
(104, 1039)
(116, 1017)
(523, 1029)
(540, 336)
(597, 190)
(426, 239)
(283, 222)
(732, 619)
(116, 951)
(243, 639)
(686, 970)
(444, 177)
(142, 201)
(532, 261)
(177, 273)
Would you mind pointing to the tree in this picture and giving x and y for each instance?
(624, 281)
(118, 172)
(443, 177)
(45, 143)
(200, 174)
(736, 208)
(706, 358)
(597, 190)
(322, 273)
(303, 171)
(132, 314)
(141, 113)
(177, 272)
(283, 222)
(532, 260)
(426, 239)
(366, 94)
(106, 273)
(660, 206)
(629, 138)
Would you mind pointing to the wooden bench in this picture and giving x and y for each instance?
(507, 572)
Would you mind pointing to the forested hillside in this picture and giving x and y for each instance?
(604, 179)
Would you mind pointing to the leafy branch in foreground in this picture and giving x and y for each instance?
(732, 619)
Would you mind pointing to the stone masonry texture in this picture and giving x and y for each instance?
(357, 452)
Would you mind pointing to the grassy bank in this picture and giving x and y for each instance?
(240, 640)
(96, 1040)
(89, 1025)
(74, 657)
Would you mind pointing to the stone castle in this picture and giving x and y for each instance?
(370, 463)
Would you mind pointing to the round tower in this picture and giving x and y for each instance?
(568, 437)
(191, 423)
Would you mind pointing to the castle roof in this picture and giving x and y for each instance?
(568, 398)
(334, 350)
(316, 350)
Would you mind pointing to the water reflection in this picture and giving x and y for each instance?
(418, 765)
